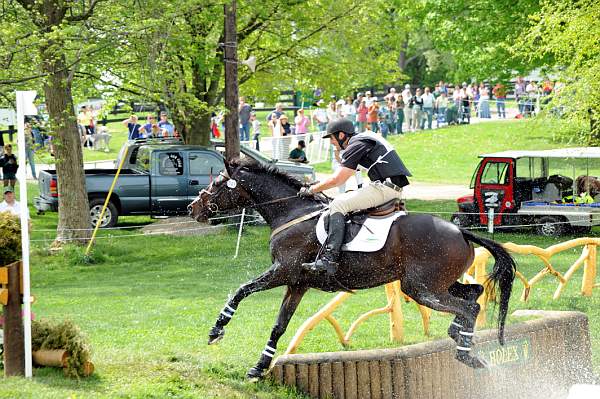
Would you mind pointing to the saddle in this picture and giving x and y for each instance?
(367, 229)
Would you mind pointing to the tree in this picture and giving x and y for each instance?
(44, 43)
(564, 37)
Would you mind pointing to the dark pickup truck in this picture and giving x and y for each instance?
(160, 180)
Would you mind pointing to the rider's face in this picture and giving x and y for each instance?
(342, 139)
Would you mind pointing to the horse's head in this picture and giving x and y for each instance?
(223, 194)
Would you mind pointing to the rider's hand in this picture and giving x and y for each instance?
(306, 192)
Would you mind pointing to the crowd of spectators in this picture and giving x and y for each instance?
(412, 109)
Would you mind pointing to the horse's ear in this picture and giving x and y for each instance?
(228, 167)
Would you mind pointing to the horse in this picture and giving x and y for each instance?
(427, 254)
(589, 184)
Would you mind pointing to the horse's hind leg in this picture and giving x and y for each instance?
(293, 296)
(261, 283)
(444, 302)
(468, 292)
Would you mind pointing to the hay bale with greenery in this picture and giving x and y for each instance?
(10, 251)
(10, 238)
(48, 335)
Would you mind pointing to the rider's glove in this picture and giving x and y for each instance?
(306, 192)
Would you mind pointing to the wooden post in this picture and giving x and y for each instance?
(392, 291)
(14, 343)
(232, 123)
(589, 271)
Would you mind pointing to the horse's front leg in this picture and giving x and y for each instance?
(261, 283)
(293, 296)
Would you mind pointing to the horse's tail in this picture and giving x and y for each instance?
(503, 274)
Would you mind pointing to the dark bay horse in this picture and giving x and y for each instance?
(427, 254)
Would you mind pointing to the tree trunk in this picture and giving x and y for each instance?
(73, 207)
(200, 129)
(232, 123)
(402, 56)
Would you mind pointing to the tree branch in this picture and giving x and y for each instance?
(86, 15)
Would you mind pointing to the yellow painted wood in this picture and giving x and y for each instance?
(392, 292)
(3, 275)
(3, 296)
(589, 272)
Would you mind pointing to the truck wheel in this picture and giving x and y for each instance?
(111, 214)
(461, 220)
(551, 226)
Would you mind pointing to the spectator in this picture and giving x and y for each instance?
(428, 103)
(133, 127)
(391, 94)
(417, 109)
(520, 94)
(382, 125)
(284, 125)
(278, 111)
(85, 123)
(356, 104)
(157, 132)
(320, 116)
(349, 111)
(146, 129)
(499, 92)
(29, 149)
(484, 103)
(373, 115)
(407, 97)
(273, 124)
(361, 116)
(301, 121)
(332, 112)
(167, 127)
(399, 114)
(255, 129)
(9, 165)
(244, 114)
(441, 105)
(368, 99)
(298, 154)
(10, 204)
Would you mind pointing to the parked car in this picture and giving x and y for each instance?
(537, 188)
(160, 179)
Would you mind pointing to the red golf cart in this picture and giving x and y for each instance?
(537, 188)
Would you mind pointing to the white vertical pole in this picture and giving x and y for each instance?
(237, 247)
(490, 220)
(22, 177)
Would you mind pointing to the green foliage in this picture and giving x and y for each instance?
(10, 238)
(566, 36)
(46, 334)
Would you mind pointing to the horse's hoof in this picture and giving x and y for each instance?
(255, 374)
(472, 361)
(215, 335)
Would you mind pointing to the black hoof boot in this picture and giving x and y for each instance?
(471, 361)
(255, 374)
(215, 335)
(455, 327)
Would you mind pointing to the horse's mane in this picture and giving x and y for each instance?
(271, 170)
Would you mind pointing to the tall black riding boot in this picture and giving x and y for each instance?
(329, 260)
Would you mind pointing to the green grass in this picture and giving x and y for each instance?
(146, 303)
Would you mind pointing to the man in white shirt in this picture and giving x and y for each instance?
(428, 103)
(10, 204)
(406, 96)
(368, 99)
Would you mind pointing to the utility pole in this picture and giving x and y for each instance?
(232, 123)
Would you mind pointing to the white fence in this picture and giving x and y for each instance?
(317, 148)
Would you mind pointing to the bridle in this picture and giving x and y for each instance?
(226, 178)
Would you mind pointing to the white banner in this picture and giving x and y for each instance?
(8, 117)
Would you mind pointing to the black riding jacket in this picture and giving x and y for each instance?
(376, 155)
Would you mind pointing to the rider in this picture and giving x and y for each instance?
(384, 168)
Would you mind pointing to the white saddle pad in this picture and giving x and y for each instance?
(371, 237)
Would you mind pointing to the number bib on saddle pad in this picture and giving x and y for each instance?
(367, 235)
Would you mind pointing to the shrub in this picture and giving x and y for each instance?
(10, 238)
